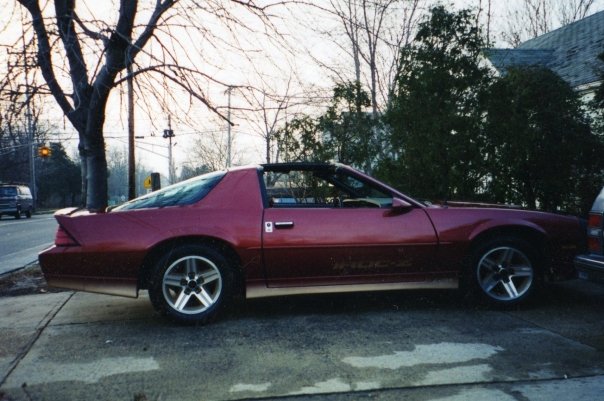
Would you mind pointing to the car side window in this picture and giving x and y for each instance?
(182, 193)
(321, 189)
(297, 189)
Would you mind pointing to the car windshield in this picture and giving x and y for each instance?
(8, 191)
(182, 193)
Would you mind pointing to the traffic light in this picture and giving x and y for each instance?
(44, 151)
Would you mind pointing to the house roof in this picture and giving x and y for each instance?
(570, 51)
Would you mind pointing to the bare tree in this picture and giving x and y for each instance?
(485, 13)
(267, 109)
(374, 32)
(117, 164)
(271, 113)
(367, 36)
(83, 57)
(573, 10)
(209, 151)
(533, 18)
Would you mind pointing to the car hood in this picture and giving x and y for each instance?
(485, 205)
(464, 220)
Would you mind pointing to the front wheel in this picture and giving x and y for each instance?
(191, 283)
(504, 271)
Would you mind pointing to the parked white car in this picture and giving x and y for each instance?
(590, 265)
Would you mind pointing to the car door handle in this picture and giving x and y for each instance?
(284, 224)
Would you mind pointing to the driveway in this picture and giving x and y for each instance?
(390, 346)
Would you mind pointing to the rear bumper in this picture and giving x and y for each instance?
(99, 285)
(65, 267)
(590, 267)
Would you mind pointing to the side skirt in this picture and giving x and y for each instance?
(258, 290)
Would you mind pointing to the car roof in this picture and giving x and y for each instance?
(308, 166)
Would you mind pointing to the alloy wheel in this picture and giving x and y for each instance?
(192, 284)
(505, 273)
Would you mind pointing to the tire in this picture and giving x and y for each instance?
(191, 283)
(503, 271)
(18, 214)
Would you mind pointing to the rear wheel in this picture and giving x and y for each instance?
(191, 283)
(503, 271)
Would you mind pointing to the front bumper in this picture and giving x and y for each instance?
(590, 267)
(9, 209)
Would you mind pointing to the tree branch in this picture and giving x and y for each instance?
(141, 41)
(77, 66)
(45, 60)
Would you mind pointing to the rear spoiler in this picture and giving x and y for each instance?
(71, 211)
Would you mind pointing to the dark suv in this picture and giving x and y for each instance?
(15, 200)
(590, 265)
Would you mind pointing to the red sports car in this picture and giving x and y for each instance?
(302, 228)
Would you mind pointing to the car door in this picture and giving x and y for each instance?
(313, 239)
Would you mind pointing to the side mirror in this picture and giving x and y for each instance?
(400, 205)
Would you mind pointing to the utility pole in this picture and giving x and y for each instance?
(30, 135)
(30, 126)
(30, 130)
(228, 155)
(168, 133)
(131, 159)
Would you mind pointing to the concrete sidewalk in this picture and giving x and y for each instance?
(18, 260)
(22, 321)
(78, 346)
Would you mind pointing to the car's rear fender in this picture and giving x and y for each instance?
(161, 248)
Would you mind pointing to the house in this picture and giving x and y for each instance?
(570, 51)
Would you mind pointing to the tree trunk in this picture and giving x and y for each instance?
(96, 200)
(83, 170)
(93, 143)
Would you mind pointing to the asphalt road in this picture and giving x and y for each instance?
(21, 240)
(388, 347)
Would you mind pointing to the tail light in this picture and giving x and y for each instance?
(594, 232)
(63, 238)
